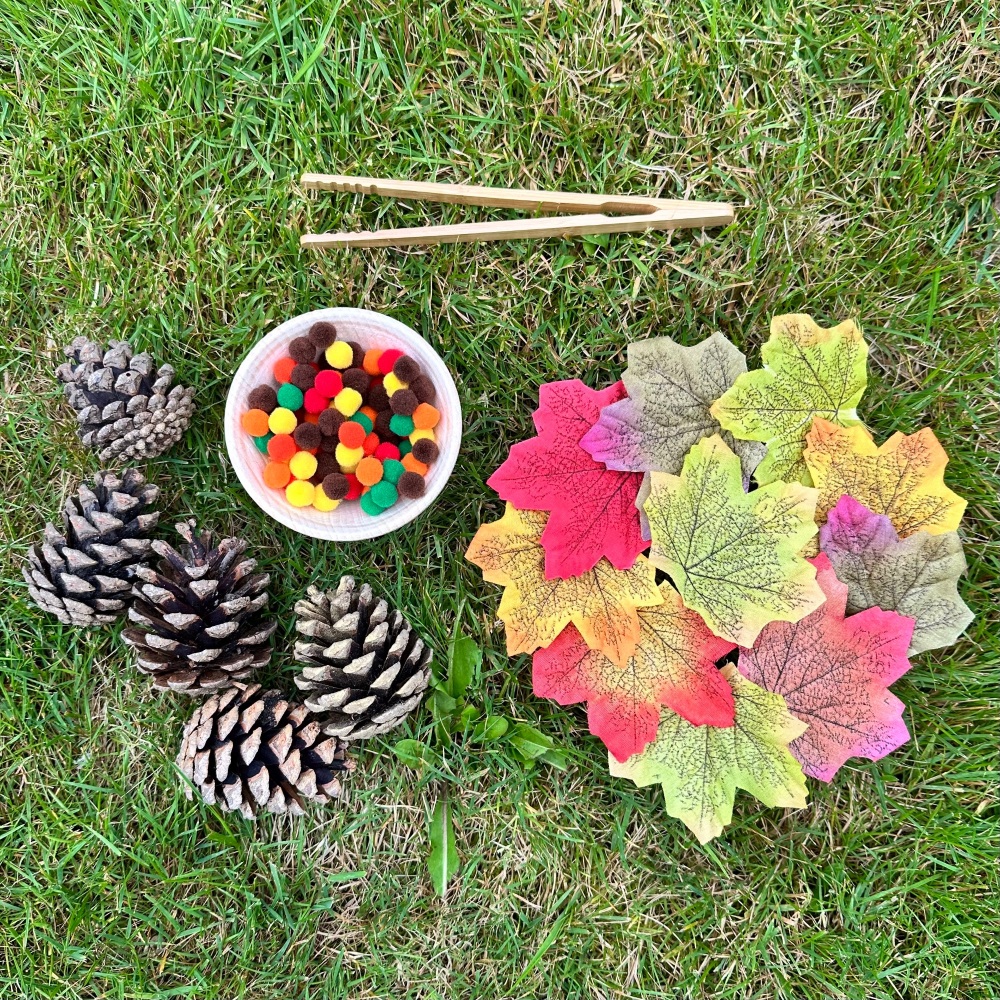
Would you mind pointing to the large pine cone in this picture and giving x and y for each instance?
(199, 613)
(246, 750)
(366, 668)
(125, 406)
(83, 574)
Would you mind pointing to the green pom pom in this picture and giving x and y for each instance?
(290, 396)
(364, 420)
(368, 504)
(392, 470)
(403, 426)
(404, 448)
(261, 442)
(383, 493)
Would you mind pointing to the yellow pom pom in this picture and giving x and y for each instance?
(348, 458)
(322, 502)
(347, 401)
(300, 493)
(420, 434)
(302, 465)
(339, 354)
(281, 421)
(392, 384)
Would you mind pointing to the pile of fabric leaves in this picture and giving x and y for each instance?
(801, 565)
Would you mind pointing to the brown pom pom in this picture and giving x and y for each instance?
(406, 369)
(425, 450)
(330, 420)
(357, 378)
(307, 436)
(263, 398)
(378, 398)
(404, 402)
(336, 486)
(303, 376)
(359, 354)
(410, 485)
(329, 443)
(381, 428)
(322, 335)
(326, 464)
(423, 389)
(302, 349)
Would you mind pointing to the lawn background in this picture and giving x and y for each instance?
(149, 155)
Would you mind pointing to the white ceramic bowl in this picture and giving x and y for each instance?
(348, 523)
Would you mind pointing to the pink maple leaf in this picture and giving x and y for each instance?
(592, 509)
(834, 672)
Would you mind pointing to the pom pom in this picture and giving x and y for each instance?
(406, 369)
(403, 426)
(300, 493)
(336, 486)
(369, 471)
(421, 434)
(348, 458)
(290, 397)
(424, 389)
(425, 416)
(378, 398)
(351, 434)
(329, 382)
(322, 335)
(370, 362)
(388, 359)
(339, 354)
(262, 441)
(330, 421)
(281, 447)
(315, 402)
(384, 494)
(282, 369)
(322, 502)
(263, 398)
(404, 402)
(308, 436)
(348, 401)
(392, 384)
(369, 506)
(392, 470)
(405, 448)
(411, 485)
(412, 465)
(369, 413)
(303, 376)
(371, 443)
(282, 420)
(362, 418)
(310, 418)
(276, 475)
(355, 488)
(326, 465)
(355, 378)
(425, 450)
(386, 450)
(302, 349)
(302, 465)
(357, 354)
(254, 422)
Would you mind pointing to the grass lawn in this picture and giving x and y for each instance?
(149, 156)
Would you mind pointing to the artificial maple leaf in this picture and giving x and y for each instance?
(671, 390)
(593, 512)
(673, 665)
(700, 767)
(808, 371)
(916, 576)
(834, 673)
(734, 557)
(902, 479)
(601, 603)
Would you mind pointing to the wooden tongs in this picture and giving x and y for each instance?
(595, 213)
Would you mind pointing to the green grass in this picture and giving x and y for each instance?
(149, 155)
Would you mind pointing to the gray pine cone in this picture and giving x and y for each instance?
(199, 615)
(124, 404)
(365, 669)
(247, 750)
(83, 574)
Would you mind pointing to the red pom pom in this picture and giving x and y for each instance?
(329, 382)
(355, 490)
(387, 359)
(371, 443)
(386, 450)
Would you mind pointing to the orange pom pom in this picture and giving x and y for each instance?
(369, 412)
(283, 369)
(277, 475)
(369, 471)
(370, 364)
(425, 417)
(281, 447)
(254, 422)
(412, 465)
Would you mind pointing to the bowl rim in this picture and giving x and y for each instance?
(298, 519)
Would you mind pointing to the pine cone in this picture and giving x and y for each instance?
(246, 750)
(83, 574)
(199, 612)
(366, 668)
(125, 406)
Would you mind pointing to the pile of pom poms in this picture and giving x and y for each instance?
(344, 424)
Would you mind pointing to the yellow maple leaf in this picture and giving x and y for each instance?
(903, 478)
(601, 603)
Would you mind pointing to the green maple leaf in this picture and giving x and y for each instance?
(734, 557)
(700, 767)
(808, 371)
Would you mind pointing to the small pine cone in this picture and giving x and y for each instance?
(83, 574)
(199, 613)
(366, 669)
(246, 750)
(124, 404)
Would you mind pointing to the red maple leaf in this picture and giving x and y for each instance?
(834, 673)
(673, 665)
(592, 508)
